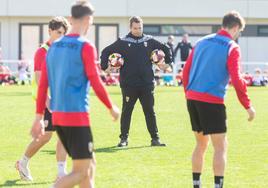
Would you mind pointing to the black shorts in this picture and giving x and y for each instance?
(77, 141)
(206, 117)
(48, 121)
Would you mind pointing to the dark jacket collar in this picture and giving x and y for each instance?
(134, 37)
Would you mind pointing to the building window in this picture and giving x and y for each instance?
(200, 30)
(31, 36)
(91, 35)
(103, 35)
(45, 35)
(107, 34)
(193, 30)
(263, 30)
(152, 29)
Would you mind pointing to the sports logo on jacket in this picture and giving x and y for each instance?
(145, 44)
(127, 98)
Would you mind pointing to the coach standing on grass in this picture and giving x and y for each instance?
(136, 76)
(214, 59)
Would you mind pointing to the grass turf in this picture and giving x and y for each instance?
(139, 165)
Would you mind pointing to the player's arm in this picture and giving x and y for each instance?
(237, 80)
(165, 48)
(177, 48)
(89, 59)
(186, 70)
(38, 126)
(37, 75)
(39, 59)
(106, 52)
(190, 46)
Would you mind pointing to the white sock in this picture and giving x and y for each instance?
(62, 168)
(24, 160)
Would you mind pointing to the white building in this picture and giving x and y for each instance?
(23, 23)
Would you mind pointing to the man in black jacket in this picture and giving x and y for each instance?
(185, 47)
(170, 44)
(136, 76)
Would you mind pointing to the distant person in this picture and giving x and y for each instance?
(185, 47)
(11, 79)
(206, 74)
(265, 77)
(23, 67)
(6, 78)
(248, 78)
(179, 77)
(170, 44)
(167, 78)
(258, 78)
(2, 74)
(157, 76)
(111, 80)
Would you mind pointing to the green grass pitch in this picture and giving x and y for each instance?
(140, 166)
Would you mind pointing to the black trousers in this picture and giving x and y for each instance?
(146, 98)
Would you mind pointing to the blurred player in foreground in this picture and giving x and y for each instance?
(206, 74)
(69, 71)
(58, 26)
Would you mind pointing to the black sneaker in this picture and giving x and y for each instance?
(123, 143)
(156, 142)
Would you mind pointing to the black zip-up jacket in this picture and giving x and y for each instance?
(137, 69)
(185, 48)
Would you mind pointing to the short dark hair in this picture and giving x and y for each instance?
(82, 8)
(135, 19)
(58, 22)
(232, 19)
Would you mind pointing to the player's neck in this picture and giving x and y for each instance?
(229, 31)
(77, 28)
(77, 31)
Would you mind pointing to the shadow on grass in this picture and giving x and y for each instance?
(49, 152)
(20, 183)
(110, 93)
(113, 149)
(15, 94)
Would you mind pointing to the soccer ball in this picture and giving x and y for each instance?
(157, 56)
(116, 60)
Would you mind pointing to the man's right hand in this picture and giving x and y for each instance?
(38, 127)
(251, 113)
(115, 112)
